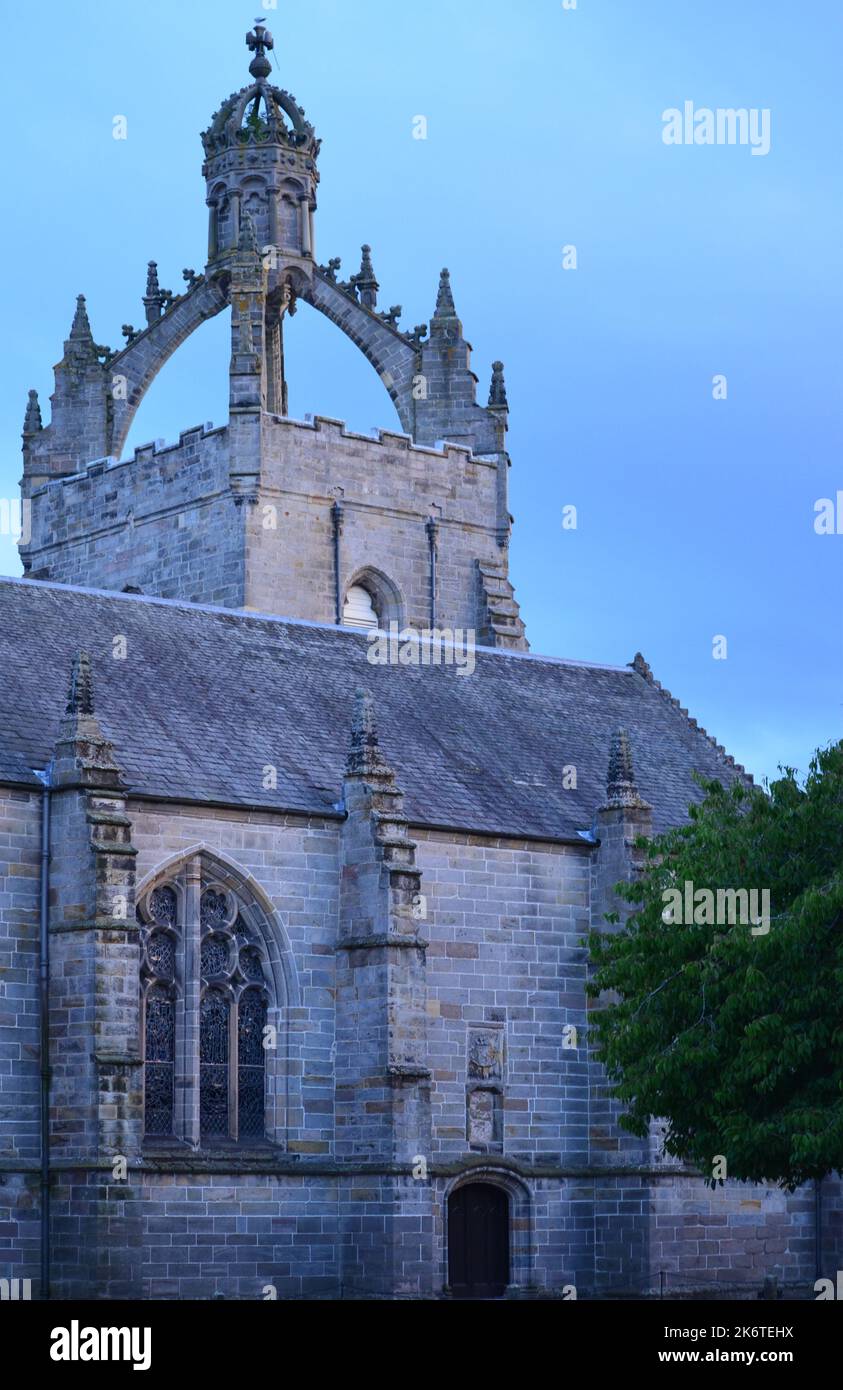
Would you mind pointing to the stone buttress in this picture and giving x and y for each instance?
(382, 1077)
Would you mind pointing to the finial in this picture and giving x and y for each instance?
(621, 789)
(80, 699)
(497, 392)
(32, 419)
(445, 307)
(366, 280)
(152, 286)
(259, 43)
(365, 757)
(81, 329)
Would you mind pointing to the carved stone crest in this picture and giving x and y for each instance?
(485, 1054)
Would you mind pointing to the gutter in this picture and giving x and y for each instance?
(44, 1028)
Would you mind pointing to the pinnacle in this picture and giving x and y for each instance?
(80, 330)
(497, 391)
(80, 698)
(32, 420)
(621, 788)
(445, 307)
(365, 757)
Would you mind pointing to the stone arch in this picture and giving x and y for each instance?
(394, 358)
(267, 920)
(521, 1251)
(386, 596)
(133, 370)
(283, 1101)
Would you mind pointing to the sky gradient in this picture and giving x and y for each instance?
(695, 515)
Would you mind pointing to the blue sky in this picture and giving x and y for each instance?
(695, 516)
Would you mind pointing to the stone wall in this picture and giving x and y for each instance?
(503, 980)
(388, 489)
(164, 522)
(170, 522)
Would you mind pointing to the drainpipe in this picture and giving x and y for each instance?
(432, 529)
(336, 520)
(44, 1023)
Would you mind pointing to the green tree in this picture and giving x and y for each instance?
(731, 1035)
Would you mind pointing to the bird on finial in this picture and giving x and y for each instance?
(260, 42)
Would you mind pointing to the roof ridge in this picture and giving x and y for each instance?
(642, 668)
(280, 618)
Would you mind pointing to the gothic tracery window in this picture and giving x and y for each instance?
(159, 936)
(220, 1055)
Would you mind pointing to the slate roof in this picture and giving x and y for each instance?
(206, 698)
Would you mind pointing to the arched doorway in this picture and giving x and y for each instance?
(478, 1241)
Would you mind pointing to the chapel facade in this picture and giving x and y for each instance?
(293, 943)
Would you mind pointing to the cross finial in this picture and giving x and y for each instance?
(260, 42)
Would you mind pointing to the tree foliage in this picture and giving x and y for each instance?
(735, 1039)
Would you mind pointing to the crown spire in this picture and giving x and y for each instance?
(260, 42)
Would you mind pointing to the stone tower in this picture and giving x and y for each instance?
(269, 513)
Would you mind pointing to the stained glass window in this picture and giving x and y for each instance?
(160, 951)
(214, 909)
(251, 1020)
(162, 906)
(213, 1064)
(159, 1060)
(215, 954)
(234, 978)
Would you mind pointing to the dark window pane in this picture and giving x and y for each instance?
(213, 909)
(250, 1071)
(159, 1059)
(250, 964)
(215, 954)
(161, 953)
(213, 1068)
(162, 906)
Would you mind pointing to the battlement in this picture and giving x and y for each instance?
(418, 526)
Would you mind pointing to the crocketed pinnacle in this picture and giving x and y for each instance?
(32, 419)
(365, 758)
(497, 391)
(445, 306)
(80, 331)
(80, 698)
(621, 789)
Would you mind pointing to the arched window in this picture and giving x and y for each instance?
(214, 1063)
(372, 600)
(359, 608)
(160, 940)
